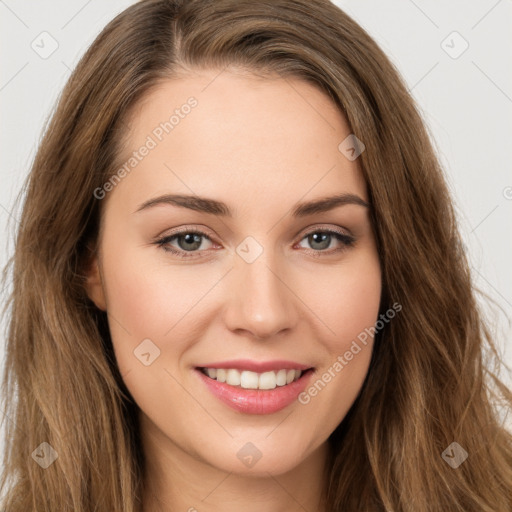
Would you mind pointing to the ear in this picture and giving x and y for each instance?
(94, 283)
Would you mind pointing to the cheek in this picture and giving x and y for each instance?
(357, 307)
(346, 299)
(349, 308)
(148, 300)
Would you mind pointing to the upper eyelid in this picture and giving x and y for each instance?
(305, 232)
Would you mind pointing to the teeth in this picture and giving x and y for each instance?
(281, 377)
(233, 378)
(248, 380)
(268, 380)
(253, 380)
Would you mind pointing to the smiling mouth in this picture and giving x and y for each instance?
(246, 379)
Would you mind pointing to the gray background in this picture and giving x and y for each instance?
(465, 98)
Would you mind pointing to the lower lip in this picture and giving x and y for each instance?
(254, 401)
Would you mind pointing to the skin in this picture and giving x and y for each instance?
(261, 146)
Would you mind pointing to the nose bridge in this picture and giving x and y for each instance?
(261, 302)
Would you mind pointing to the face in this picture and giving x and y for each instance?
(247, 281)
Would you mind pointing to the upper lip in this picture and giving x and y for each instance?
(257, 366)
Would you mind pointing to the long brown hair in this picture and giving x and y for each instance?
(428, 385)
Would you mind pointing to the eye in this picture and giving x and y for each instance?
(190, 242)
(320, 240)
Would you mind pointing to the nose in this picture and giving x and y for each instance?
(261, 300)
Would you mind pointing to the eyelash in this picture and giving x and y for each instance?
(346, 240)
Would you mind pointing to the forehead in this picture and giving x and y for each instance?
(235, 136)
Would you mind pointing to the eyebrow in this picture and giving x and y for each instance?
(214, 207)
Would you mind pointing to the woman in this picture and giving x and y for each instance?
(252, 369)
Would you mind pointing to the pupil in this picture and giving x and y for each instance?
(323, 237)
(192, 238)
